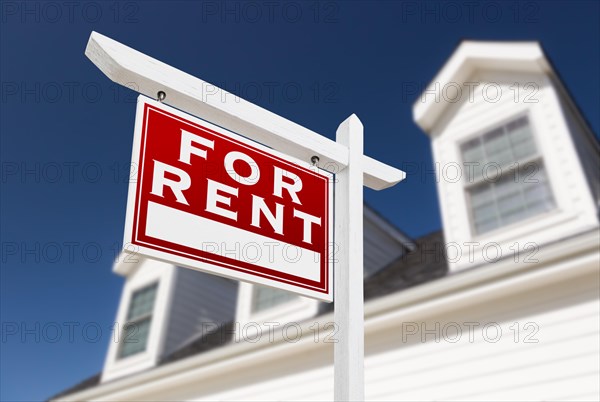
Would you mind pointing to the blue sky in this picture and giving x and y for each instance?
(66, 130)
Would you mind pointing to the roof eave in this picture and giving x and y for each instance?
(126, 263)
(471, 56)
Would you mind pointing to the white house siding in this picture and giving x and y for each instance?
(559, 298)
(380, 249)
(555, 357)
(473, 117)
(197, 298)
(562, 365)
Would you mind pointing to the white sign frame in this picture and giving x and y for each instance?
(207, 267)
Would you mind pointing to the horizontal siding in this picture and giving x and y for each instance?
(484, 370)
(380, 249)
(562, 365)
(197, 298)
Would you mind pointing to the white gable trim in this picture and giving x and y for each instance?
(469, 57)
(127, 263)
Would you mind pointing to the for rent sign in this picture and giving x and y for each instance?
(209, 199)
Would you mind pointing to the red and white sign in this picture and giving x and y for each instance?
(209, 199)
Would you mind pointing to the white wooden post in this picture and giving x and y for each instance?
(348, 273)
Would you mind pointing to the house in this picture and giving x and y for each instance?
(503, 304)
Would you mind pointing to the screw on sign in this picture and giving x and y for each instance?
(220, 203)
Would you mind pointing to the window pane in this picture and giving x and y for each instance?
(505, 187)
(521, 138)
(518, 130)
(485, 214)
(135, 337)
(481, 195)
(497, 147)
(264, 297)
(519, 135)
(524, 150)
(538, 197)
(517, 124)
(139, 316)
(142, 302)
(511, 204)
(510, 199)
(503, 146)
(495, 141)
(472, 151)
(482, 227)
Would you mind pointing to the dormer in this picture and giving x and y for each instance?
(517, 165)
(162, 308)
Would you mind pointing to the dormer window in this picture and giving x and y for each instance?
(264, 298)
(139, 316)
(506, 181)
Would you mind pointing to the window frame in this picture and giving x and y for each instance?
(296, 309)
(135, 321)
(292, 299)
(469, 183)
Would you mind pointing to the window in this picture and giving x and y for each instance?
(506, 178)
(264, 297)
(139, 317)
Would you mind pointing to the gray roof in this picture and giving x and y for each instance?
(426, 262)
(85, 384)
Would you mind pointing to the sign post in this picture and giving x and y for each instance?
(348, 276)
(344, 157)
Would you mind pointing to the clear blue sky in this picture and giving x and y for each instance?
(66, 130)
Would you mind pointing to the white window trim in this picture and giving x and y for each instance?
(136, 320)
(296, 310)
(537, 157)
(164, 275)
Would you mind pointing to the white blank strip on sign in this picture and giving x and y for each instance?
(196, 232)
